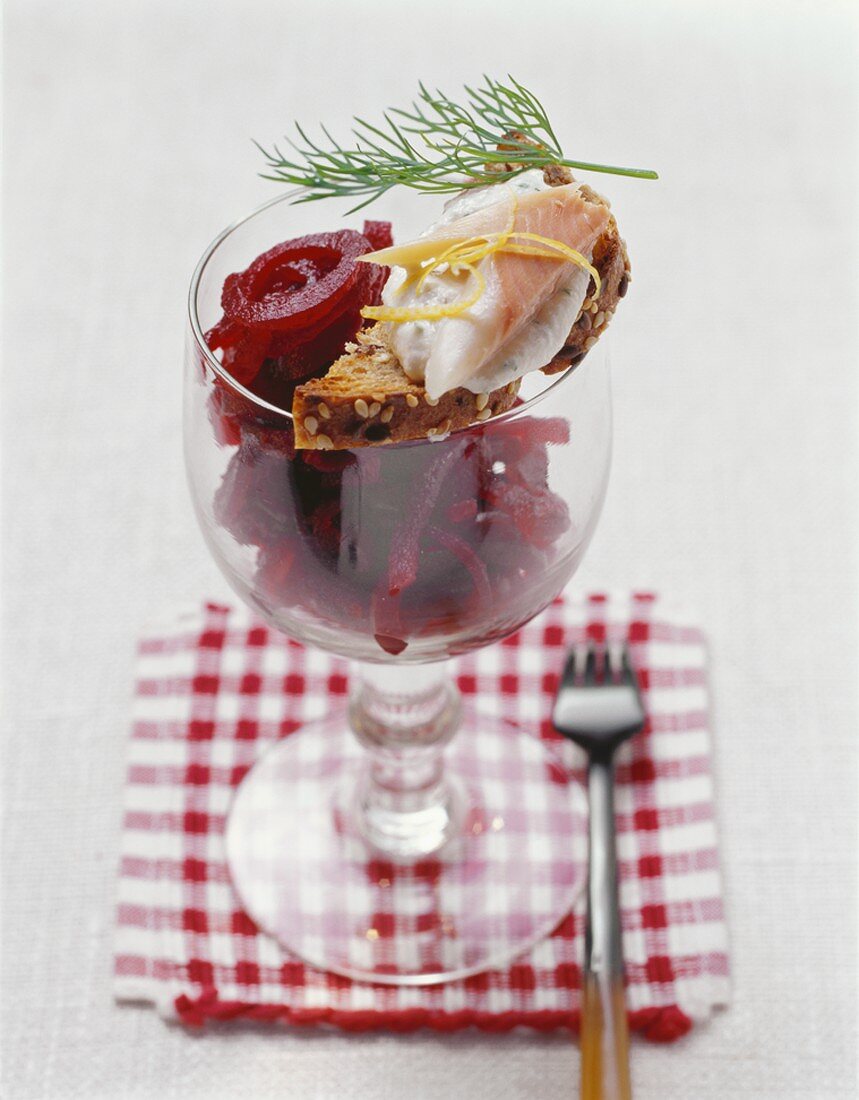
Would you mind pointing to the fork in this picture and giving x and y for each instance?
(598, 706)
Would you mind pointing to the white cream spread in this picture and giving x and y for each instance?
(530, 347)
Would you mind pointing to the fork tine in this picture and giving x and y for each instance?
(628, 673)
(591, 664)
(613, 663)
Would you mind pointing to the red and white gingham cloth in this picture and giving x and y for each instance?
(215, 687)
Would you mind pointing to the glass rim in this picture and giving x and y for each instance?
(260, 402)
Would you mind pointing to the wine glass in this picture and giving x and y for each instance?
(372, 843)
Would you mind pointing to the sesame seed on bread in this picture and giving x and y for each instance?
(366, 398)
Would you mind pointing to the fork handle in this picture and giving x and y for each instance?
(604, 1032)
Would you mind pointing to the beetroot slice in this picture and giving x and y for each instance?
(378, 234)
(286, 340)
(260, 440)
(370, 468)
(332, 462)
(295, 362)
(373, 278)
(289, 315)
(533, 430)
(387, 624)
(461, 550)
(274, 572)
(547, 429)
(225, 426)
(405, 553)
(463, 510)
(225, 334)
(325, 523)
(532, 470)
(243, 349)
(540, 516)
(296, 283)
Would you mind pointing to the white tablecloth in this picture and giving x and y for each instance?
(734, 362)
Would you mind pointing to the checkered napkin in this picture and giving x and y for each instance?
(215, 688)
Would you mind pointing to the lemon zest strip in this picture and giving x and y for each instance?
(401, 314)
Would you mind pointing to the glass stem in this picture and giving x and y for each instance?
(404, 716)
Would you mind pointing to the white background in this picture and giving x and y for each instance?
(127, 149)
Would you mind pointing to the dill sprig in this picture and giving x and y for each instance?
(437, 145)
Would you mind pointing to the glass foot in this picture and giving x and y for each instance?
(511, 872)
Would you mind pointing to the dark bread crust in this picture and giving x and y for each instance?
(366, 399)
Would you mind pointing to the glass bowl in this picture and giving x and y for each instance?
(373, 844)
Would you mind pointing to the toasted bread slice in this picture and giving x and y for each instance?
(367, 398)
